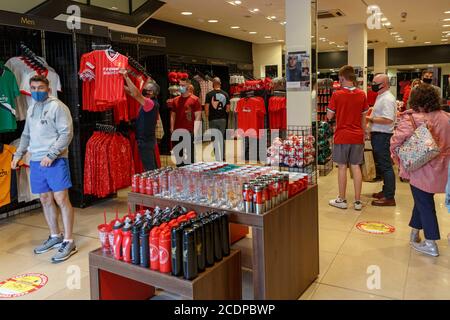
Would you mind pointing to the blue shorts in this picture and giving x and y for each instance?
(55, 178)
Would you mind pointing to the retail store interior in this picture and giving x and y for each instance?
(233, 224)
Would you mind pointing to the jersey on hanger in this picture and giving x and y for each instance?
(9, 91)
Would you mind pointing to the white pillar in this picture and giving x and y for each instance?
(357, 48)
(380, 58)
(300, 16)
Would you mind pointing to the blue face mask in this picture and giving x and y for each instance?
(39, 96)
(183, 90)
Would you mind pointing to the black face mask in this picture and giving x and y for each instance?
(146, 93)
(376, 87)
(427, 81)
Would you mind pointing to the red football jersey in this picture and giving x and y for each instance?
(251, 113)
(109, 83)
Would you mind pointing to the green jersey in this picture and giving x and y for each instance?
(8, 93)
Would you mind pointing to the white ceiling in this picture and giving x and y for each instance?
(424, 20)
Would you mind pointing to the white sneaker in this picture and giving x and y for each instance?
(358, 205)
(339, 203)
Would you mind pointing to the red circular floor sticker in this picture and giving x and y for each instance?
(375, 227)
(22, 285)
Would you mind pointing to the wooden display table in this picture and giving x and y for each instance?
(285, 250)
(117, 280)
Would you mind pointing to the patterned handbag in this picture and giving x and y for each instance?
(419, 149)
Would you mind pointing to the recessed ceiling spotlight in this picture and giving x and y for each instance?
(267, 37)
(253, 32)
(427, 42)
(332, 42)
(254, 10)
(448, 19)
(235, 27)
(237, 2)
(186, 13)
(447, 12)
(280, 40)
(444, 39)
(384, 19)
(387, 24)
(213, 21)
(283, 23)
(393, 33)
(446, 25)
(114, 8)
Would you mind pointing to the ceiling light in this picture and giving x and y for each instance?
(384, 19)
(332, 42)
(446, 25)
(427, 42)
(235, 27)
(186, 13)
(447, 12)
(448, 19)
(283, 23)
(253, 32)
(237, 2)
(254, 10)
(444, 40)
(401, 41)
(213, 21)
(280, 40)
(114, 8)
(392, 33)
(267, 37)
(273, 17)
(387, 24)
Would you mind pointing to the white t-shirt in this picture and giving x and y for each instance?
(385, 107)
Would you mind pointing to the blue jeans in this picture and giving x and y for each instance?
(381, 143)
(424, 214)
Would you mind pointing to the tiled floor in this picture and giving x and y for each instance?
(345, 252)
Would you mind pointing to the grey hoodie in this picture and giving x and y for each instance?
(48, 131)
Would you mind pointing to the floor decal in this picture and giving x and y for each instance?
(22, 285)
(375, 227)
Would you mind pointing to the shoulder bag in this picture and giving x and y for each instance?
(419, 149)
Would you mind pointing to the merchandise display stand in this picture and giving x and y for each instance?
(116, 280)
(285, 242)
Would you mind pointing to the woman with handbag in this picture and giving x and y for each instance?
(421, 145)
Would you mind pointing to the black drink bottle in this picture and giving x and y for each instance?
(200, 245)
(225, 234)
(209, 242)
(144, 245)
(190, 269)
(177, 251)
(135, 242)
(218, 254)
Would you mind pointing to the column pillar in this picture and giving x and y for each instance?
(380, 54)
(301, 25)
(357, 49)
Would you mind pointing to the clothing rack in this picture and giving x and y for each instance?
(105, 128)
(30, 55)
(136, 65)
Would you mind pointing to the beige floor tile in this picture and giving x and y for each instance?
(58, 277)
(421, 263)
(352, 273)
(331, 240)
(14, 264)
(325, 292)
(83, 293)
(21, 239)
(337, 220)
(371, 245)
(309, 292)
(427, 285)
(326, 259)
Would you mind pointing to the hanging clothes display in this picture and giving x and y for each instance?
(23, 178)
(109, 164)
(232, 115)
(8, 180)
(9, 91)
(251, 112)
(277, 113)
(24, 68)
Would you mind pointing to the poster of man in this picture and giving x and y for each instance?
(298, 71)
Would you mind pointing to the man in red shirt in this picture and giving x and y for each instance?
(186, 115)
(349, 106)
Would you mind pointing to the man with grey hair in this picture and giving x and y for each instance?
(217, 106)
(146, 119)
(381, 124)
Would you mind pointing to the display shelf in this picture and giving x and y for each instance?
(112, 279)
(285, 250)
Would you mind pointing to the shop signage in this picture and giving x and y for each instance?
(32, 22)
(22, 285)
(140, 39)
(216, 62)
(245, 66)
(374, 227)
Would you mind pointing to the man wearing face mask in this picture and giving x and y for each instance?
(381, 124)
(146, 120)
(47, 135)
(186, 114)
(427, 77)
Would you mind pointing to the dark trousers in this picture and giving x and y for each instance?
(424, 214)
(381, 143)
(147, 154)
